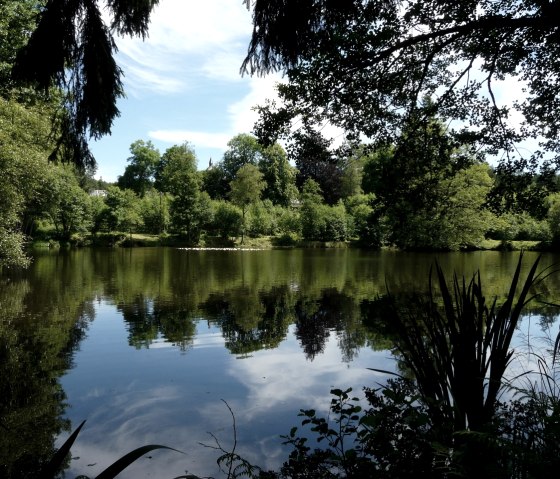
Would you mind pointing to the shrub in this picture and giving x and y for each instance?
(228, 219)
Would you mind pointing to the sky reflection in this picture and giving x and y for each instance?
(162, 395)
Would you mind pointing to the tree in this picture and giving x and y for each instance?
(177, 174)
(243, 149)
(139, 173)
(246, 189)
(154, 209)
(72, 49)
(320, 222)
(315, 161)
(16, 21)
(278, 174)
(430, 191)
(123, 210)
(174, 163)
(227, 219)
(24, 176)
(215, 183)
(365, 66)
(69, 207)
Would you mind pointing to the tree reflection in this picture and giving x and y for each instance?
(332, 312)
(147, 320)
(36, 348)
(250, 320)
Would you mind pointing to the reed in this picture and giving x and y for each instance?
(458, 346)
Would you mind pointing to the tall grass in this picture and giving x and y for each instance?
(458, 346)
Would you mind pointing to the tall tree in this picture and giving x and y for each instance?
(365, 65)
(246, 189)
(174, 162)
(71, 48)
(24, 176)
(190, 207)
(140, 172)
(243, 149)
(123, 210)
(430, 192)
(315, 161)
(279, 175)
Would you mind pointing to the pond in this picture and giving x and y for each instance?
(156, 345)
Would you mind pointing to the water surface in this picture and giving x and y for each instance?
(154, 345)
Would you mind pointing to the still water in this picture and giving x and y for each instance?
(154, 346)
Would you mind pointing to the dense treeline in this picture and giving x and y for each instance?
(423, 193)
(423, 190)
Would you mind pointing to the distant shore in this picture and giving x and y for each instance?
(262, 243)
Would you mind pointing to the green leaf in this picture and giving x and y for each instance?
(55, 463)
(118, 466)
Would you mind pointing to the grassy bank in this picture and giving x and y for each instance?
(265, 242)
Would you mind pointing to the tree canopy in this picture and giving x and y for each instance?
(71, 48)
(366, 65)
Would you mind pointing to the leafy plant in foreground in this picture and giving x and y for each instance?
(459, 353)
(55, 465)
(392, 438)
(446, 421)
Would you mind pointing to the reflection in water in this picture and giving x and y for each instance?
(303, 320)
(36, 347)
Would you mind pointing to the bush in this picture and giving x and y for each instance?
(289, 222)
(261, 219)
(321, 222)
(518, 227)
(228, 219)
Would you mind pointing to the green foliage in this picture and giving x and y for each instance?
(278, 174)
(553, 216)
(123, 210)
(518, 226)
(460, 381)
(430, 193)
(154, 209)
(365, 66)
(215, 183)
(176, 166)
(315, 161)
(359, 211)
(247, 186)
(261, 219)
(99, 214)
(191, 212)
(246, 189)
(289, 222)
(395, 437)
(69, 206)
(25, 175)
(320, 222)
(390, 439)
(139, 173)
(228, 219)
(16, 21)
(243, 149)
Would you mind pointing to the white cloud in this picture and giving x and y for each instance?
(198, 138)
(241, 112)
(186, 39)
(241, 118)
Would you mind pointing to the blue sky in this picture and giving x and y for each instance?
(183, 83)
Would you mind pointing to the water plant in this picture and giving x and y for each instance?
(56, 464)
(443, 417)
